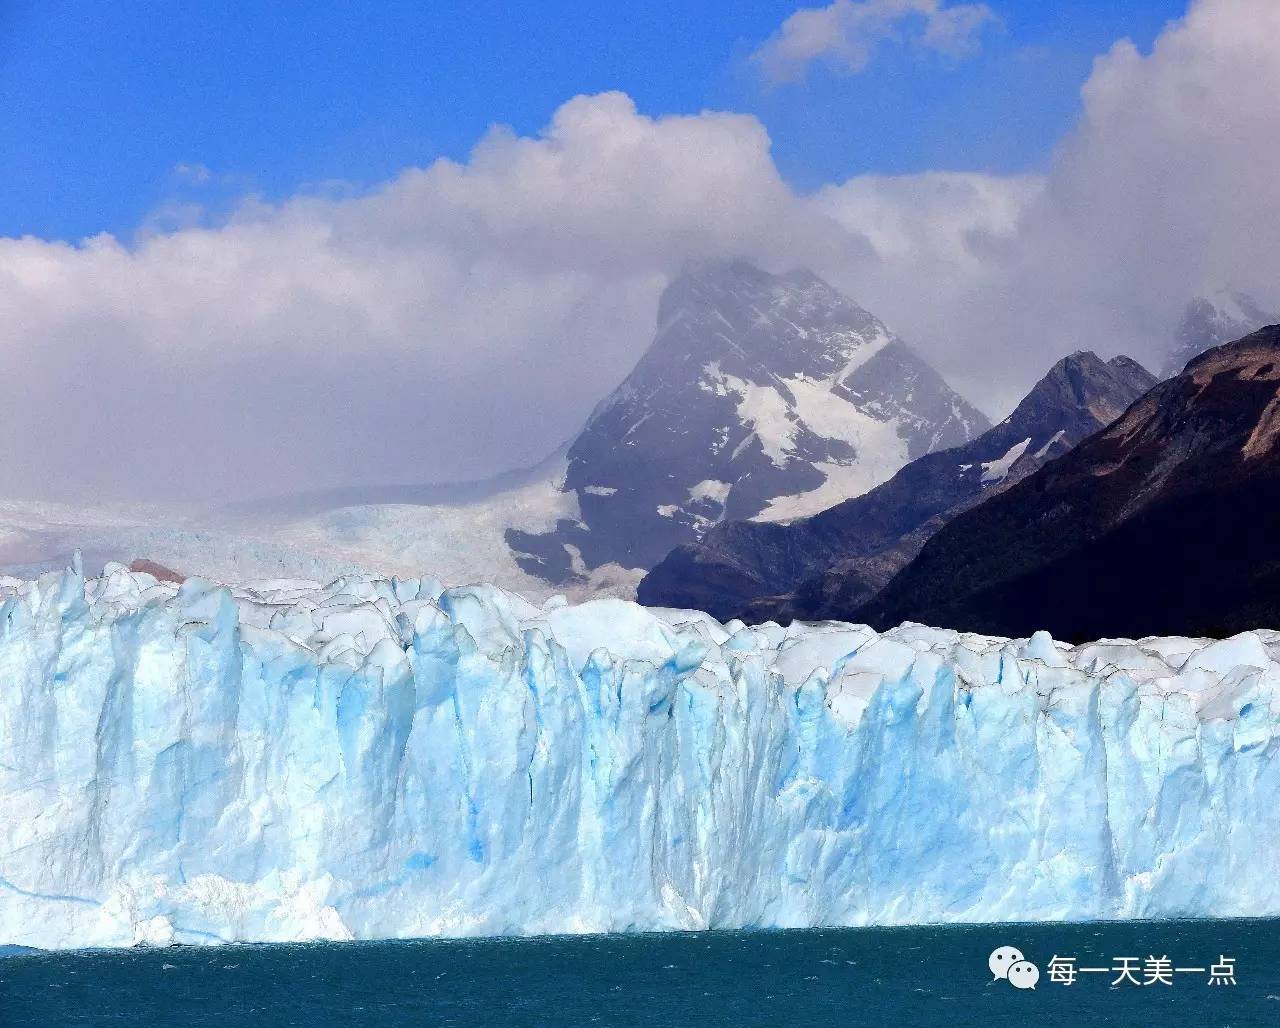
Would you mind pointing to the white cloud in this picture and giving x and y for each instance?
(938, 242)
(1165, 189)
(466, 316)
(461, 318)
(846, 33)
(947, 221)
(193, 172)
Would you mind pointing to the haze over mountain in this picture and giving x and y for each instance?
(768, 396)
(762, 396)
(1159, 523)
(1212, 320)
(763, 571)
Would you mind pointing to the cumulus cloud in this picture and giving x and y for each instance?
(462, 318)
(938, 242)
(846, 33)
(466, 316)
(1165, 189)
(193, 172)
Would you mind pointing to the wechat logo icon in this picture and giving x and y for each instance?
(1008, 963)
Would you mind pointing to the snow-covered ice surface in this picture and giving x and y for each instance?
(381, 758)
(461, 542)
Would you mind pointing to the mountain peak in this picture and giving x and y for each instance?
(720, 270)
(1083, 383)
(761, 396)
(757, 326)
(804, 278)
(707, 284)
(728, 270)
(1264, 341)
(1078, 366)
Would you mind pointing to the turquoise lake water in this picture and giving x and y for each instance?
(894, 976)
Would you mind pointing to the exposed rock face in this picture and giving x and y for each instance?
(157, 571)
(847, 553)
(762, 396)
(1161, 522)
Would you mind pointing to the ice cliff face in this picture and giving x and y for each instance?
(380, 758)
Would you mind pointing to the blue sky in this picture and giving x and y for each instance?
(409, 319)
(102, 100)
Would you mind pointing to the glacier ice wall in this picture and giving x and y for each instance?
(384, 758)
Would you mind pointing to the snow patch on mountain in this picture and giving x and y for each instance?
(998, 470)
(766, 411)
(1053, 441)
(710, 489)
(878, 451)
(876, 340)
(870, 448)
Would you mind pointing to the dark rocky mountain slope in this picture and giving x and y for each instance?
(846, 553)
(1162, 523)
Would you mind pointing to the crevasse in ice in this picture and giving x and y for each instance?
(378, 759)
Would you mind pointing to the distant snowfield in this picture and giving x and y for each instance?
(458, 543)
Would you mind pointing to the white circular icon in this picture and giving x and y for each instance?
(1002, 959)
(1023, 974)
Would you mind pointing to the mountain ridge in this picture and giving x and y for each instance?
(1174, 495)
(776, 572)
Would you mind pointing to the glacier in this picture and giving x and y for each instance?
(380, 758)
